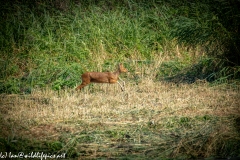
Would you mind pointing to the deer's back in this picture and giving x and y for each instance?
(101, 77)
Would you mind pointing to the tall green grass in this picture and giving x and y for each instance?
(53, 43)
(212, 24)
(43, 46)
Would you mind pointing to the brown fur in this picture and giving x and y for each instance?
(101, 77)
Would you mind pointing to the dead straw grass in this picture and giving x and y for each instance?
(150, 118)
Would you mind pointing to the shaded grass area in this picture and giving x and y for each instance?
(150, 120)
(205, 69)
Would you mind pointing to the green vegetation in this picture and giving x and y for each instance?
(52, 43)
(182, 94)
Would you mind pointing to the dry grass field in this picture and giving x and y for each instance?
(148, 120)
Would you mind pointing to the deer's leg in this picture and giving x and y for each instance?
(81, 86)
(122, 87)
(122, 81)
(85, 81)
(116, 81)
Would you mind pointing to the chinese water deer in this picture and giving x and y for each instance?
(103, 77)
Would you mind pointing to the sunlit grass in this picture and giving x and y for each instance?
(149, 119)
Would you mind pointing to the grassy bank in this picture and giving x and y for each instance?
(49, 44)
